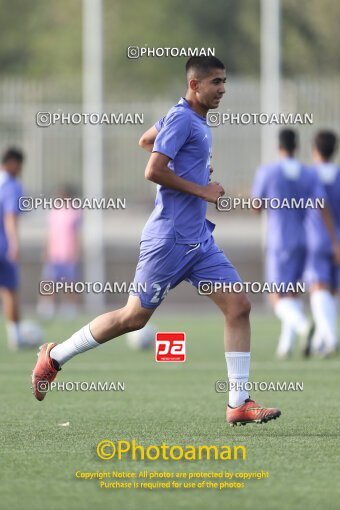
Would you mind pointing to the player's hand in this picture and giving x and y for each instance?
(336, 253)
(212, 192)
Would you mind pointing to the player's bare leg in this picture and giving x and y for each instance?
(236, 310)
(129, 318)
(241, 409)
(10, 304)
(103, 328)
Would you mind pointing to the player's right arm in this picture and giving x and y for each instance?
(157, 171)
(11, 229)
(173, 134)
(11, 213)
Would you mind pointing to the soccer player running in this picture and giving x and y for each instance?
(177, 245)
(10, 193)
(285, 180)
(322, 270)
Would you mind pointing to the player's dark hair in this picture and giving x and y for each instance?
(13, 153)
(202, 66)
(288, 140)
(326, 143)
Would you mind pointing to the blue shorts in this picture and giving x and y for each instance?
(163, 264)
(321, 268)
(65, 272)
(9, 274)
(285, 267)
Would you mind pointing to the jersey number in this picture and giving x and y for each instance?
(157, 298)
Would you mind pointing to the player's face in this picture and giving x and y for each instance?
(13, 167)
(211, 89)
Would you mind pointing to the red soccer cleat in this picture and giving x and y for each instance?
(250, 412)
(44, 372)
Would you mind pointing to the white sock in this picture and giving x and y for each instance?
(13, 334)
(289, 310)
(317, 342)
(299, 302)
(323, 306)
(286, 340)
(238, 364)
(81, 341)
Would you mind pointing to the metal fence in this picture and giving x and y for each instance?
(54, 154)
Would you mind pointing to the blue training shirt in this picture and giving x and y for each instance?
(287, 179)
(318, 238)
(10, 192)
(185, 138)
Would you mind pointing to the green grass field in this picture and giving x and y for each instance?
(172, 403)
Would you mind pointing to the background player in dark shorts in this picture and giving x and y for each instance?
(322, 269)
(10, 193)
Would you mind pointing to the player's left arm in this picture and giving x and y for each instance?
(330, 226)
(148, 138)
(326, 215)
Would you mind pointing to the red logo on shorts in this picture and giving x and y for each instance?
(170, 347)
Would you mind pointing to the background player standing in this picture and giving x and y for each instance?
(322, 271)
(62, 254)
(177, 244)
(10, 193)
(286, 236)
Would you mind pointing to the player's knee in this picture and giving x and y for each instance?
(244, 308)
(240, 310)
(135, 322)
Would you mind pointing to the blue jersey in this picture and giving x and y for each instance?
(286, 180)
(185, 138)
(318, 239)
(10, 192)
(159, 124)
